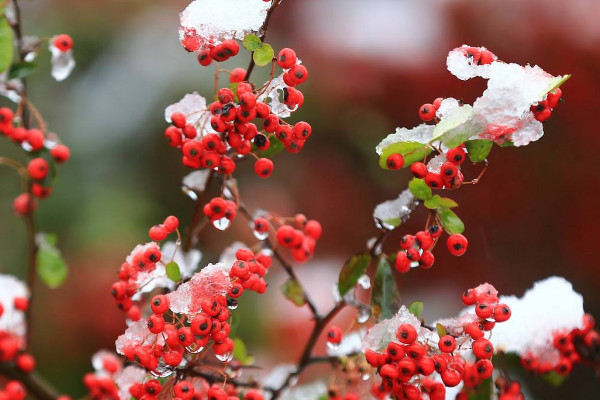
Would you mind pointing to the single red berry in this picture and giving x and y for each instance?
(334, 335)
(156, 323)
(21, 303)
(451, 377)
(298, 74)
(554, 97)
(434, 180)
(447, 344)
(204, 57)
(395, 161)
(62, 42)
(24, 204)
(171, 223)
(501, 312)
(286, 58)
(419, 170)
(60, 153)
(484, 368)
(158, 233)
(237, 75)
(407, 241)
(426, 260)
(26, 363)
(38, 169)
(456, 155)
(469, 297)
(35, 138)
(230, 47)
(427, 112)
(406, 334)
(402, 263)
(313, 229)
(484, 310)
(263, 167)
(483, 348)
(178, 119)
(424, 240)
(40, 191)
(184, 390)
(457, 244)
(159, 304)
(474, 330)
(448, 170)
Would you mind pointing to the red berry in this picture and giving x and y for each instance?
(158, 233)
(26, 363)
(38, 169)
(263, 167)
(298, 74)
(419, 170)
(178, 120)
(160, 304)
(402, 263)
(457, 244)
(156, 323)
(451, 377)
(484, 310)
(434, 180)
(426, 260)
(456, 155)
(501, 312)
(447, 344)
(60, 153)
(21, 303)
(469, 297)
(484, 369)
(406, 334)
(24, 204)
(230, 47)
(204, 57)
(427, 112)
(448, 170)
(237, 75)
(554, 97)
(286, 58)
(62, 42)
(313, 229)
(334, 335)
(395, 161)
(171, 223)
(483, 348)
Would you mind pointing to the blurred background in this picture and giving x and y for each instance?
(372, 64)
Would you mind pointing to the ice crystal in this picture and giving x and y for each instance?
(420, 134)
(193, 106)
(384, 332)
(62, 63)
(137, 334)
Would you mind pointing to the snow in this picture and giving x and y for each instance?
(196, 180)
(277, 376)
(228, 255)
(351, 344)
(12, 320)
(273, 96)
(550, 306)
(127, 377)
(391, 213)
(463, 67)
(420, 134)
(213, 280)
(214, 21)
(192, 105)
(137, 334)
(435, 164)
(384, 332)
(62, 63)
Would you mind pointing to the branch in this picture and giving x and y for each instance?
(193, 231)
(35, 385)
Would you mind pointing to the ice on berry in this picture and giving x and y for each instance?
(385, 331)
(273, 96)
(391, 213)
(211, 22)
(62, 63)
(549, 307)
(464, 67)
(435, 164)
(192, 105)
(420, 134)
(213, 280)
(127, 377)
(137, 334)
(12, 320)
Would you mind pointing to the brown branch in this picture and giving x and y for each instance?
(262, 37)
(35, 385)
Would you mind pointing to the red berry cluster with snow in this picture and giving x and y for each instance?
(14, 302)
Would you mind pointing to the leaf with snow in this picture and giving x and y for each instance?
(391, 213)
(210, 22)
(422, 134)
(62, 63)
(192, 105)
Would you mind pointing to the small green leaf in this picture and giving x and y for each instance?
(416, 308)
(263, 55)
(251, 42)
(452, 224)
(447, 202)
(478, 149)
(419, 189)
(554, 378)
(556, 82)
(51, 267)
(433, 202)
(22, 70)
(292, 291)
(240, 353)
(458, 127)
(411, 151)
(233, 86)
(6, 44)
(351, 271)
(275, 147)
(385, 297)
(441, 331)
(483, 391)
(173, 271)
(508, 143)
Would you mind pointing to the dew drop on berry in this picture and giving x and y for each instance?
(194, 349)
(162, 371)
(364, 281)
(189, 192)
(364, 313)
(365, 377)
(333, 346)
(224, 357)
(259, 235)
(221, 223)
(232, 304)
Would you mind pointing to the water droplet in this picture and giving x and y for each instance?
(267, 252)
(189, 192)
(364, 282)
(414, 264)
(366, 377)
(232, 304)
(221, 223)
(224, 357)
(364, 313)
(333, 346)
(260, 235)
(26, 146)
(194, 350)
(162, 371)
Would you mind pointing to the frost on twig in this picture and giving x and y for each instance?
(210, 22)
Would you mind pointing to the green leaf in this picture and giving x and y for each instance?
(263, 55)
(351, 271)
(275, 147)
(51, 267)
(173, 271)
(556, 82)
(508, 143)
(292, 291)
(441, 331)
(433, 202)
(6, 44)
(447, 202)
(416, 308)
(233, 86)
(554, 378)
(22, 70)
(483, 391)
(452, 224)
(251, 42)
(479, 149)
(240, 353)
(385, 297)
(458, 127)
(419, 189)
(411, 151)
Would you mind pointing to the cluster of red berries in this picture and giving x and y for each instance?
(575, 347)
(479, 55)
(14, 390)
(543, 109)
(428, 110)
(448, 176)
(248, 271)
(408, 357)
(143, 259)
(221, 52)
(159, 232)
(219, 209)
(11, 344)
(39, 167)
(301, 238)
(101, 387)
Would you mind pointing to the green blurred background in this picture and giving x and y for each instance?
(371, 64)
